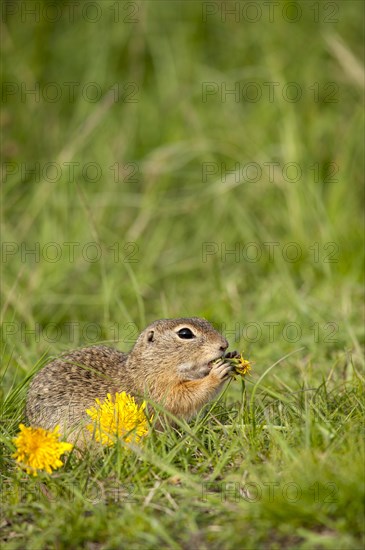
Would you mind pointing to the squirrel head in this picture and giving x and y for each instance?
(181, 347)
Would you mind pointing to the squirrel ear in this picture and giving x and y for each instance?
(150, 336)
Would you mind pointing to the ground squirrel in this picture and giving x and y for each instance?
(172, 362)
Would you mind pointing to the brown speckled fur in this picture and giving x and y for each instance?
(169, 370)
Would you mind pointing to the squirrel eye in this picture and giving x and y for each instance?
(185, 333)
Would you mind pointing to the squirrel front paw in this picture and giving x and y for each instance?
(231, 355)
(221, 370)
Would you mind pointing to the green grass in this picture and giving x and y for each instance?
(279, 463)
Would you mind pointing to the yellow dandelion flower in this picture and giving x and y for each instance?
(118, 417)
(39, 449)
(241, 366)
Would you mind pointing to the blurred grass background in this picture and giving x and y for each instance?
(152, 133)
(151, 148)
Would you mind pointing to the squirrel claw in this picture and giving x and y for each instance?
(231, 354)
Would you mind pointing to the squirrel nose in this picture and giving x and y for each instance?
(224, 346)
